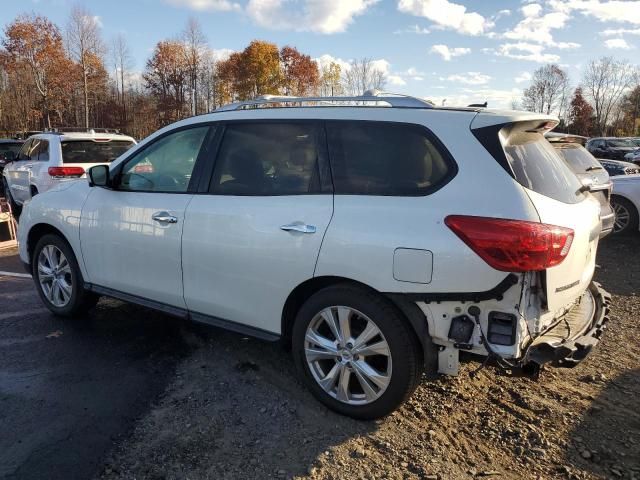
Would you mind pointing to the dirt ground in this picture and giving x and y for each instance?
(237, 410)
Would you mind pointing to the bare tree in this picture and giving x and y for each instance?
(84, 45)
(604, 82)
(362, 76)
(548, 91)
(122, 62)
(195, 43)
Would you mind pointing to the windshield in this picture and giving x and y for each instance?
(578, 158)
(620, 142)
(88, 151)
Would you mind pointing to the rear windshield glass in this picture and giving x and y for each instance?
(9, 147)
(537, 166)
(579, 159)
(88, 151)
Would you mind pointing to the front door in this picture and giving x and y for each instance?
(256, 235)
(131, 235)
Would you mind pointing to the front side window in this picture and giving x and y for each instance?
(166, 165)
(382, 158)
(267, 159)
(620, 143)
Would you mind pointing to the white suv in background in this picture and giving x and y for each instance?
(377, 236)
(47, 159)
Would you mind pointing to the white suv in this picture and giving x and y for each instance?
(47, 159)
(376, 240)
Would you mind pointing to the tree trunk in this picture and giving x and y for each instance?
(86, 95)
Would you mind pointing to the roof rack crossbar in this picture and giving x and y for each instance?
(370, 96)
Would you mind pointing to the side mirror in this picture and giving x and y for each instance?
(99, 176)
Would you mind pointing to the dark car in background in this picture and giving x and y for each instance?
(610, 147)
(9, 149)
(591, 173)
(617, 167)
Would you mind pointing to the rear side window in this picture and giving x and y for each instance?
(88, 151)
(384, 158)
(43, 151)
(25, 151)
(537, 166)
(267, 159)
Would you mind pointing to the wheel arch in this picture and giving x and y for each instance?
(408, 310)
(38, 231)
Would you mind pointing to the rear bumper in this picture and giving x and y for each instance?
(608, 221)
(574, 336)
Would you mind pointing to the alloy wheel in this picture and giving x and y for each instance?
(54, 276)
(348, 355)
(622, 217)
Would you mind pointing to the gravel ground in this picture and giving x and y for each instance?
(236, 410)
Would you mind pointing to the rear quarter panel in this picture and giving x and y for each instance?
(366, 230)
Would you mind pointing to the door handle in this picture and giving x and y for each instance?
(298, 227)
(164, 217)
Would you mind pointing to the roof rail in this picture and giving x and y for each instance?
(370, 96)
(62, 130)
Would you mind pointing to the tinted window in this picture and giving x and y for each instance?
(165, 165)
(43, 151)
(9, 147)
(537, 166)
(579, 159)
(267, 159)
(378, 158)
(25, 150)
(620, 142)
(88, 151)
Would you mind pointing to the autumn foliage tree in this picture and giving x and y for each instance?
(300, 73)
(580, 114)
(32, 41)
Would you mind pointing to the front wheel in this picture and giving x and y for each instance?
(58, 278)
(355, 352)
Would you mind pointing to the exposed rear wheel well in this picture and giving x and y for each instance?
(37, 232)
(409, 311)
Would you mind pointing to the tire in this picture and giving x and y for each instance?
(78, 300)
(396, 372)
(16, 209)
(626, 220)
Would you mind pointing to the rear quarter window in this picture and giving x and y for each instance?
(385, 158)
(537, 166)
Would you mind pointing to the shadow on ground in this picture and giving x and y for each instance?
(607, 440)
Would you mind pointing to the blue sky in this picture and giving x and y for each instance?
(460, 50)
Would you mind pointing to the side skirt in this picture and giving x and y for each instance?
(184, 313)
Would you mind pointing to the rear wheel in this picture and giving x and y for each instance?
(58, 278)
(626, 215)
(355, 352)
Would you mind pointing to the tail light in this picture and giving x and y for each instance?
(513, 245)
(66, 171)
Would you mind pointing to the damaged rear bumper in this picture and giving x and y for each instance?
(572, 338)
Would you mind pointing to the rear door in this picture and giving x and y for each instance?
(255, 233)
(556, 193)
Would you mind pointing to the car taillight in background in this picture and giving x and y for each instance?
(513, 245)
(66, 172)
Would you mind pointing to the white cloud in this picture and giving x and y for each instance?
(220, 54)
(469, 78)
(605, 11)
(448, 15)
(617, 44)
(620, 31)
(321, 16)
(526, 51)
(535, 27)
(523, 77)
(381, 65)
(326, 59)
(495, 98)
(396, 80)
(206, 5)
(448, 53)
(97, 20)
(413, 29)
